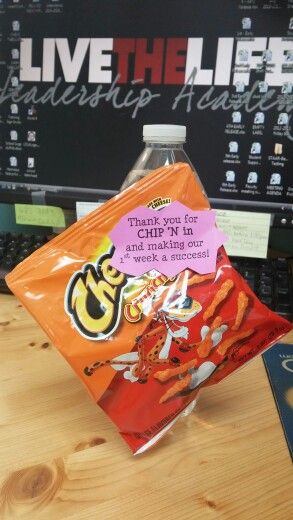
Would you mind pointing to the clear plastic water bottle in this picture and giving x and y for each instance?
(163, 146)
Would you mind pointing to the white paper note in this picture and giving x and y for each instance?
(248, 232)
(84, 208)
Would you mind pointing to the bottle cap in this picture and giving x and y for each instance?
(164, 133)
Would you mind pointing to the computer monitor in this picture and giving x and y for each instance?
(79, 79)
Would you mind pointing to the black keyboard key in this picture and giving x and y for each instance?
(25, 251)
(9, 263)
(282, 279)
(251, 263)
(249, 273)
(267, 300)
(12, 248)
(265, 278)
(25, 244)
(283, 287)
(285, 310)
(282, 275)
(265, 290)
(283, 292)
(266, 269)
(13, 236)
(26, 236)
(41, 239)
(10, 254)
(283, 299)
(13, 241)
(281, 264)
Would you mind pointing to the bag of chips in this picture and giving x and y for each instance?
(143, 345)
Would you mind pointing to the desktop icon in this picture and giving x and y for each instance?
(275, 179)
(252, 178)
(14, 81)
(283, 118)
(14, 108)
(255, 148)
(31, 136)
(278, 149)
(13, 162)
(239, 86)
(230, 176)
(236, 117)
(233, 147)
(263, 87)
(246, 23)
(31, 111)
(287, 87)
(289, 55)
(15, 25)
(13, 135)
(30, 162)
(267, 55)
(259, 118)
(243, 55)
(15, 54)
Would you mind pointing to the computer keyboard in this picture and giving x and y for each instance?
(271, 280)
(14, 248)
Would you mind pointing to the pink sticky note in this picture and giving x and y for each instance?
(169, 241)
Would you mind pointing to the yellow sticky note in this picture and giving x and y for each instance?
(248, 232)
(34, 215)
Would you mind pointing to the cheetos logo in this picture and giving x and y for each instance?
(93, 298)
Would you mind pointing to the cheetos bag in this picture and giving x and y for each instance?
(143, 345)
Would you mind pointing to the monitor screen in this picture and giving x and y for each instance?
(80, 78)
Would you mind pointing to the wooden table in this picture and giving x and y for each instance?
(61, 458)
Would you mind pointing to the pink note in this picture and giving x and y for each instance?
(169, 241)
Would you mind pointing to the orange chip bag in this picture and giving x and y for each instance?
(143, 345)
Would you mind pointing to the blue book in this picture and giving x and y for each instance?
(278, 361)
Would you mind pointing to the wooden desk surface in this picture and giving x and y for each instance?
(61, 458)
